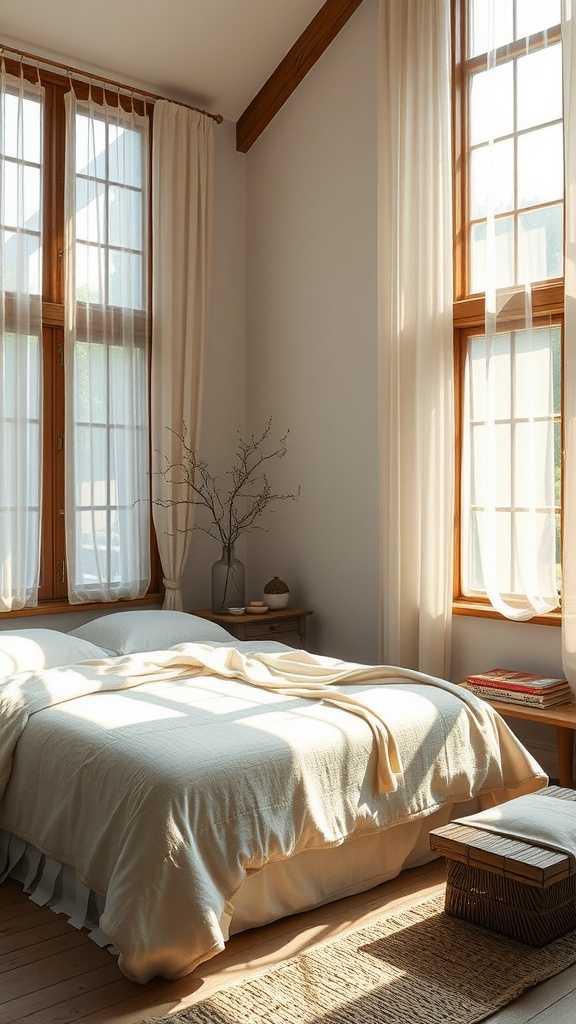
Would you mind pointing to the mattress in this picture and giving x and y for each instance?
(316, 877)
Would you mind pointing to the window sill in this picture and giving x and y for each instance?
(63, 607)
(480, 610)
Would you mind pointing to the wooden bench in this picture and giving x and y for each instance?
(508, 885)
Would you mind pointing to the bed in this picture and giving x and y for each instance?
(169, 813)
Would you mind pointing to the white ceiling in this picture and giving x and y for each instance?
(214, 52)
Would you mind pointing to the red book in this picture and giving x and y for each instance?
(522, 682)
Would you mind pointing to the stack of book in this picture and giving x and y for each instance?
(519, 688)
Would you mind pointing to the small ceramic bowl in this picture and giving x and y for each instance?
(257, 609)
(236, 611)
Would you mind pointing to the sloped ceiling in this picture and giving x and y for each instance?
(214, 52)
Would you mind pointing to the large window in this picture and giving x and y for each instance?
(102, 502)
(107, 507)
(21, 169)
(526, 446)
(509, 181)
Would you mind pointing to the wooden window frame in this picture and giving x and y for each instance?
(469, 309)
(52, 595)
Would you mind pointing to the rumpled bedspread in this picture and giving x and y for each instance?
(165, 778)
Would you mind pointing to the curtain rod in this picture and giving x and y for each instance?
(47, 63)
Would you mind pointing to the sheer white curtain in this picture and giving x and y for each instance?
(20, 339)
(182, 168)
(415, 302)
(106, 352)
(510, 416)
(569, 506)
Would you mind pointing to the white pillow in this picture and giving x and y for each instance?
(27, 650)
(127, 632)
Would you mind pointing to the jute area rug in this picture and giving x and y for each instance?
(416, 967)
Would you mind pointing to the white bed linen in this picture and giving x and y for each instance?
(167, 796)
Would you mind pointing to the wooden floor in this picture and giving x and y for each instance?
(52, 974)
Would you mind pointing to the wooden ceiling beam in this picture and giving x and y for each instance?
(307, 49)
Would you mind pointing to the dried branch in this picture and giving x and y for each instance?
(233, 509)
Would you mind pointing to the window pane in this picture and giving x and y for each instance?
(127, 482)
(536, 359)
(492, 179)
(483, 36)
(21, 139)
(125, 280)
(90, 210)
(20, 196)
(534, 463)
(489, 397)
(21, 375)
(91, 548)
(21, 255)
(539, 76)
(536, 531)
(559, 552)
(535, 15)
(90, 387)
(20, 453)
(491, 444)
(120, 560)
(472, 574)
(125, 155)
(90, 146)
(556, 340)
(558, 462)
(491, 104)
(91, 466)
(540, 166)
(90, 275)
(540, 244)
(128, 385)
(125, 214)
(504, 228)
(18, 573)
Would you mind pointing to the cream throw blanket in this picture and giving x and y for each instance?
(294, 673)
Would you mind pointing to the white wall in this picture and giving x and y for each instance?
(312, 338)
(312, 363)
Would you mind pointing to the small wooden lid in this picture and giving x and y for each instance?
(502, 855)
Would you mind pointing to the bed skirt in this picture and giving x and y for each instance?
(280, 889)
(51, 884)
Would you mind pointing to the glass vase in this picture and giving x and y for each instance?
(227, 581)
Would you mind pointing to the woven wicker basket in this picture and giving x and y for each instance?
(510, 907)
(506, 885)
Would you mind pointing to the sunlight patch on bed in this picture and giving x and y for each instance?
(119, 711)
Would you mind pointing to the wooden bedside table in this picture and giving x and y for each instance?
(272, 625)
